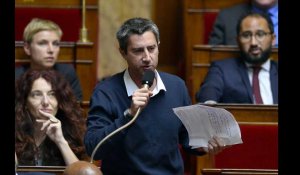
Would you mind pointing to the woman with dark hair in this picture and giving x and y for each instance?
(49, 121)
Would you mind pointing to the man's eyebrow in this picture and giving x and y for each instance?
(137, 48)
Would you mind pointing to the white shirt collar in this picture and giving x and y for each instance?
(131, 86)
(266, 66)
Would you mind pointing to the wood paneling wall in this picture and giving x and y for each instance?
(167, 15)
(194, 23)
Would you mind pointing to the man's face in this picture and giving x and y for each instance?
(255, 40)
(264, 3)
(142, 54)
(43, 49)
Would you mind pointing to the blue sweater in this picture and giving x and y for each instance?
(150, 144)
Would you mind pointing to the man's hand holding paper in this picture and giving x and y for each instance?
(211, 129)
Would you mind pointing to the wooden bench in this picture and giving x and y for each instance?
(202, 56)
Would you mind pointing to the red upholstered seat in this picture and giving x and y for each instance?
(258, 151)
(68, 19)
(209, 20)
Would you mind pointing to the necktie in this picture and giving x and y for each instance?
(255, 86)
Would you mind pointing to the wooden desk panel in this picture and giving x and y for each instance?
(203, 55)
(54, 3)
(241, 112)
(58, 170)
(251, 112)
(220, 52)
(213, 171)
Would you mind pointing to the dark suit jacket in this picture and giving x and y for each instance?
(66, 70)
(227, 81)
(224, 29)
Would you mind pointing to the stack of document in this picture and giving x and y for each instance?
(204, 122)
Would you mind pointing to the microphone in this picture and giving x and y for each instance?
(82, 168)
(147, 81)
(148, 78)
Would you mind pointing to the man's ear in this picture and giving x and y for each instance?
(27, 48)
(122, 52)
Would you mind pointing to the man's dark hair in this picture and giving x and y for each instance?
(135, 26)
(256, 15)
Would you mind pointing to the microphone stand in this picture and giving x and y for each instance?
(113, 133)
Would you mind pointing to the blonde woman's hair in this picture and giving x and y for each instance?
(36, 25)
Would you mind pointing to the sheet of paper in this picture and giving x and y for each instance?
(203, 122)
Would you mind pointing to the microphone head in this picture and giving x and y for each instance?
(82, 168)
(148, 77)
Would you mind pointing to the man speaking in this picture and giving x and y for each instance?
(150, 144)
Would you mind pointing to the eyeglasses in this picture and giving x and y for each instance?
(259, 36)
